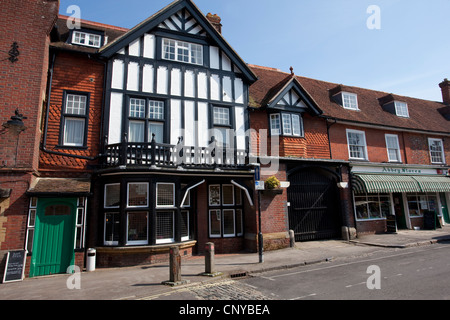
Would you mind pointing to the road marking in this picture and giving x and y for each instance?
(303, 297)
(273, 278)
(354, 285)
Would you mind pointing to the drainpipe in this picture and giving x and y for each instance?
(328, 134)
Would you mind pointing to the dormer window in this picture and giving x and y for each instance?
(401, 109)
(349, 101)
(86, 39)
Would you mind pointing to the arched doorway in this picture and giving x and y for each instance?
(314, 211)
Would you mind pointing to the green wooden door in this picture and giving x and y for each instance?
(53, 248)
(445, 208)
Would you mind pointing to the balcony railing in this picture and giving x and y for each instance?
(173, 156)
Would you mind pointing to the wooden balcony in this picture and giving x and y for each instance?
(173, 156)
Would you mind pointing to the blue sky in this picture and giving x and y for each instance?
(327, 39)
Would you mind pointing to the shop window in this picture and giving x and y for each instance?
(112, 228)
(165, 227)
(372, 206)
(112, 195)
(186, 225)
(137, 195)
(137, 228)
(418, 203)
(226, 213)
(165, 194)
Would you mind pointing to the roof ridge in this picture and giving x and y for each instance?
(97, 24)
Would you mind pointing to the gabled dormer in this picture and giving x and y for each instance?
(286, 103)
(345, 98)
(394, 105)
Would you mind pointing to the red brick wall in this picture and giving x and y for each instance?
(22, 86)
(413, 146)
(74, 72)
(313, 145)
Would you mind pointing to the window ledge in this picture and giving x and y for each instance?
(162, 248)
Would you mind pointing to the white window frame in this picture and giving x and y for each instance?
(275, 118)
(399, 156)
(347, 102)
(232, 193)
(216, 211)
(104, 196)
(110, 243)
(401, 109)
(366, 156)
(173, 198)
(136, 242)
(188, 222)
(166, 240)
(233, 214)
(77, 112)
(430, 141)
(128, 194)
(176, 44)
(87, 38)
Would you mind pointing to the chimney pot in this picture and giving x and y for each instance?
(445, 88)
(215, 20)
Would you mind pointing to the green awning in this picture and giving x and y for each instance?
(368, 183)
(433, 184)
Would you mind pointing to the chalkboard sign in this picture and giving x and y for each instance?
(15, 266)
(391, 224)
(429, 220)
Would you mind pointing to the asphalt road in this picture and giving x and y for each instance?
(420, 273)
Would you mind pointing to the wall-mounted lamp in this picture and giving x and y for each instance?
(16, 122)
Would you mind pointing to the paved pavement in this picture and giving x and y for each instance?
(144, 282)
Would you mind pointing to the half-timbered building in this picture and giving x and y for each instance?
(174, 164)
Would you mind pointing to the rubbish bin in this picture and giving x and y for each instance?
(90, 263)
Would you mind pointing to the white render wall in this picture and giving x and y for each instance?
(192, 90)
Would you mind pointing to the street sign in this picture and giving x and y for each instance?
(259, 185)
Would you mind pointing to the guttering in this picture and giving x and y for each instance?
(385, 127)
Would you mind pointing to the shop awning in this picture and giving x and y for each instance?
(367, 183)
(433, 184)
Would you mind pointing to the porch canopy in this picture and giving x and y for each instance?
(378, 183)
(57, 187)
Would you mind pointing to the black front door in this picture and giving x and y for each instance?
(314, 211)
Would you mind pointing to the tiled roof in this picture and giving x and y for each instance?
(112, 32)
(424, 115)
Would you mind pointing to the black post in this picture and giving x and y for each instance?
(260, 235)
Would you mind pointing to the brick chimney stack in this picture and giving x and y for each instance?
(215, 21)
(445, 87)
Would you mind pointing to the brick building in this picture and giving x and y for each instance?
(133, 141)
(389, 154)
(24, 42)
